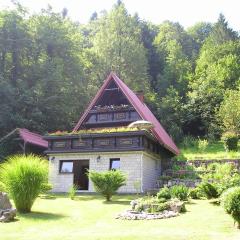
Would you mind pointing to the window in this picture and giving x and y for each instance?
(66, 167)
(114, 163)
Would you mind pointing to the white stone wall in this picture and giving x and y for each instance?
(130, 164)
(151, 170)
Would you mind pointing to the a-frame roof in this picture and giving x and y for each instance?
(141, 108)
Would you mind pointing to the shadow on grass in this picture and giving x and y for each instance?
(41, 216)
(117, 202)
(51, 197)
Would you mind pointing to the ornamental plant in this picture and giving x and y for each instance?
(230, 141)
(180, 192)
(24, 178)
(231, 203)
(107, 183)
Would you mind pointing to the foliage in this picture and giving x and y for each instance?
(46, 187)
(229, 111)
(2, 187)
(195, 193)
(202, 144)
(188, 141)
(208, 189)
(164, 193)
(24, 178)
(180, 192)
(107, 183)
(230, 140)
(231, 203)
(97, 130)
(223, 176)
(72, 192)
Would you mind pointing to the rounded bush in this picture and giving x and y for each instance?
(180, 192)
(164, 193)
(209, 190)
(230, 140)
(24, 178)
(231, 203)
(195, 193)
(107, 183)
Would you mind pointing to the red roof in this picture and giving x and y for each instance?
(32, 138)
(142, 109)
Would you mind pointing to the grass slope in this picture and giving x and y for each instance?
(89, 217)
(214, 150)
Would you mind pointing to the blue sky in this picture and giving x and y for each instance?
(187, 12)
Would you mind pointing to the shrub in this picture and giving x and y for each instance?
(164, 193)
(230, 141)
(180, 192)
(23, 177)
(107, 183)
(202, 145)
(188, 141)
(209, 190)
(45, 187)
(72, 192)
(231, 203)
(195, 193)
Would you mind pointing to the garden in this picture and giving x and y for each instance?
(211, 210)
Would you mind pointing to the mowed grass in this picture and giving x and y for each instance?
(215, 150)
(90, 217)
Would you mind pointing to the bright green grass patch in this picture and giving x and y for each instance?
(213, 151)
(90, 217)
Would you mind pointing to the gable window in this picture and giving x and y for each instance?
(114, 163)
(66, 167)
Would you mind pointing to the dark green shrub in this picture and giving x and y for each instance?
(195, 193)
(209, 190)
(180, 192)
(164, 193)
(231, 203)
(24, 177)
(165, 178)
(107, 183)
(230, 141)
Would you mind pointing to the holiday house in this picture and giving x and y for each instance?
(117, 131)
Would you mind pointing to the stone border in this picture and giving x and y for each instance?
(133, 215)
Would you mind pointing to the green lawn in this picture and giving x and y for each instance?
(89, 217)
(213, 151)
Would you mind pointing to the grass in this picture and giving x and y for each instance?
(214, 150)
(90, 217)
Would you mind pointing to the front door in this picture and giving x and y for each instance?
(80, 169)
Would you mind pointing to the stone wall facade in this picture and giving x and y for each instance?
(137, 165)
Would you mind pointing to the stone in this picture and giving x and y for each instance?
(7, 212)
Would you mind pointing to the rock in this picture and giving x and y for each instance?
(7, 212)
(4, 201)
(176, 206)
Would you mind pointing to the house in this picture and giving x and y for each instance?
(21, 140)
(101, 141)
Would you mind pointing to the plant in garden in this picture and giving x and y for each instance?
(180, 192)
(202, 145)
(24, 178)
(208, 189)
(107, 183)
(230, 141)
(195, 193)
(164, 194)
(72, 192)
(231, 203)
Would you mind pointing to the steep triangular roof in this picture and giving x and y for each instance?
(141, 109)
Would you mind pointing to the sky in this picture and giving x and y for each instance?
(186, 12)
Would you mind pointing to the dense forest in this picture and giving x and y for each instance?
(51, 66)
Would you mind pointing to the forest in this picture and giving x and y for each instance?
(51, 66)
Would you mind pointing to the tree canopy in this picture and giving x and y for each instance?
(50, 67)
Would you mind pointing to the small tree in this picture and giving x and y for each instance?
(107, 183)
(24, 178)
(231, 203)
(229, 111)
